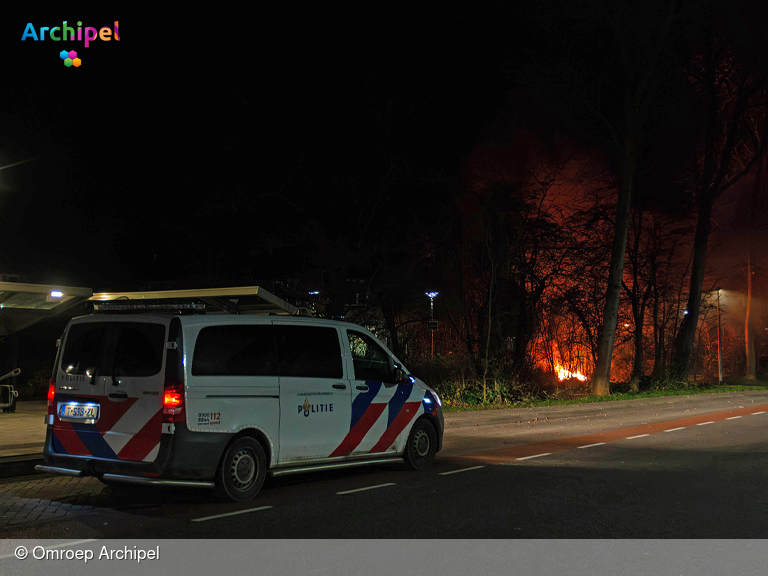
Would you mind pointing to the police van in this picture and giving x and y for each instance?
(204, 388)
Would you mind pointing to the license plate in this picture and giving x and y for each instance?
(79, 411)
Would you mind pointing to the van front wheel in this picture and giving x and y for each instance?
(422, 445)
(242, 470)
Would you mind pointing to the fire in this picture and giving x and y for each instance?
(564, 374)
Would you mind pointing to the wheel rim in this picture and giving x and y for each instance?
(420, 445)
(242, 469)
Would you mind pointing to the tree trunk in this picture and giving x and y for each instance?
(490, 318)
(637, 367)
(749, 336)
(658, 330)
(388, 311)
(683, 344)
(601, 379)
(749, 333)
(639, 301)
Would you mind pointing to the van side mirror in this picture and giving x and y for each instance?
(400, 375)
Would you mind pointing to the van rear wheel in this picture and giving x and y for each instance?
(421, 447)
(242, 470)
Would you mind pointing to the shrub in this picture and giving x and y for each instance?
(36, 386)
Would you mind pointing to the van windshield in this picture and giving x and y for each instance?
(119, 348)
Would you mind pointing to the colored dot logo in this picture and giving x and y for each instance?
(70, 58)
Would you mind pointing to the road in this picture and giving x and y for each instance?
(677, 467)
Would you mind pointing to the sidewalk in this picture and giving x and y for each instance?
(22, 436)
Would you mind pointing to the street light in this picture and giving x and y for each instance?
(432, 304)
(432, 318)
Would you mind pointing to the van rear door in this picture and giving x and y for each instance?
(109, 388)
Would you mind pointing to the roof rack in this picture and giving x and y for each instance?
(236, 300)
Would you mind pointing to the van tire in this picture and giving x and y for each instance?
(242, 470)
(421, 447)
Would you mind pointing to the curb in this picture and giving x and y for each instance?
(13, 466)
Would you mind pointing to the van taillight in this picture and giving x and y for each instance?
(51, 392)
(173, 403)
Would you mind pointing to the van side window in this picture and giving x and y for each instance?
(370, 360)
(84, 349)
(139, 349)
(309, 351)
(235, 350)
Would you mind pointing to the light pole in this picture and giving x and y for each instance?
(432, 318)
(719, 354)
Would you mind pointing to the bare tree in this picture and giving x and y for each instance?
(639, 71)
(734, 101)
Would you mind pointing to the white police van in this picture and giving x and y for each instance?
(150, 392)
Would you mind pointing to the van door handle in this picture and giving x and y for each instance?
(340, 386)
(119, 395)
(363, 388)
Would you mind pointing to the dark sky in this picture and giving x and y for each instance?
(205, 131)
(199, 148)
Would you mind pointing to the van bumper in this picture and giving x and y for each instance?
(58, 470)
(184, 456)
(128, 479)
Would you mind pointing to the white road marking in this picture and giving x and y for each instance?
(461, 470)
(75, 543)
(705, 423)
(366, 488)
(756, 413)
(231, 514)
(639, 436)
(733, 417)
(534, 456)
(590, 445)
(674, 429)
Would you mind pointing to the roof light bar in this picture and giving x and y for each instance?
(233, 300)
(123, 306)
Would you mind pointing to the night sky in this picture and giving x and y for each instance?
(212, 132)
(213, 147)
(205, 147)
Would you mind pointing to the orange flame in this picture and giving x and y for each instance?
(564, 374)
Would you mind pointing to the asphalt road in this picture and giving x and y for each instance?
(681, 467)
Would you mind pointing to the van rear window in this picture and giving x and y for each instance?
(235, 351)
(84, 351)
(132, 349)
(139, 350)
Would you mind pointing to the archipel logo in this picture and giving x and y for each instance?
(313, 408)
(67, 33)
(70, 58)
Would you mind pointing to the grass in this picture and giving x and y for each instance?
(564, 397)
